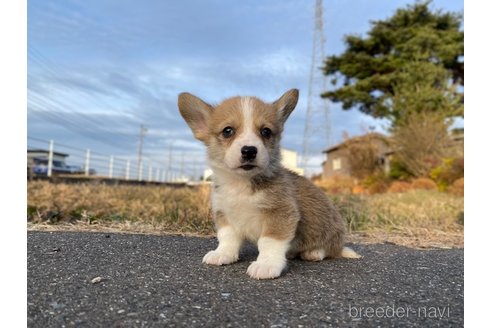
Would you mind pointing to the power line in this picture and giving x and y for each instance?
(68, 124)
(43, 102)
(58, 72)
(61, 109)
(58, 75)
(55, 110)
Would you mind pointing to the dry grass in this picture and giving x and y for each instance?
(421, 218)
(182, 210)
(399, 187)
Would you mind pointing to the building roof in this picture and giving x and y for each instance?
(357, 138)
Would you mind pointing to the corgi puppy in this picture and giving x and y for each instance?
(254, 197)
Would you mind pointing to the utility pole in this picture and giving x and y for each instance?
(317, 128)
(170, 161)
(50, 159)
(194, 170)
(143, 129)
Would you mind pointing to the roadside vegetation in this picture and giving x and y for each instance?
(416, 217)
(122, 208)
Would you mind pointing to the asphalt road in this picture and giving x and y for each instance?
(159, 281)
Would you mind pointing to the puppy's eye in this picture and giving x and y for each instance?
(228, 132)
(266, 133)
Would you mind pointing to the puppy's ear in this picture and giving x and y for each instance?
(286, 104)
(196, 113)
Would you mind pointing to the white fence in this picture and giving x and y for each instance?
(63, 158)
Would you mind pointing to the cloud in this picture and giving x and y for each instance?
(99, 69)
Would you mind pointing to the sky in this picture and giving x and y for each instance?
(98, 70)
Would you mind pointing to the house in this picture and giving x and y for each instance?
(337, 157)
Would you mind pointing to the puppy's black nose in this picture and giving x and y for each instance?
(248, 152)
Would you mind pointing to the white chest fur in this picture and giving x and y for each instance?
(241, 208)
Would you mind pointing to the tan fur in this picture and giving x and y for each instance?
(220, 220)
(269, 204)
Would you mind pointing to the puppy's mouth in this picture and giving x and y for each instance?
(247, 167)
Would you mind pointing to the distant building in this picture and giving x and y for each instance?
(39, 158)
(337, 162)
(207, 175)
(289, 160)
(43, 154)
(458, 140)
(38, 164)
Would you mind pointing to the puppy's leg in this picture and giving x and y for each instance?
(229, 244)
(274, 242)
(271, 261)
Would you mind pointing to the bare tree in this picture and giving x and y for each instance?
(422, 142)
(363, 156)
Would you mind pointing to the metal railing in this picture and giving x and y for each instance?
(60, 159)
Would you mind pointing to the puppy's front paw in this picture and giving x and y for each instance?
(264, 270)
(219, 258)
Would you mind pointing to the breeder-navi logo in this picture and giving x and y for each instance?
(393, 311)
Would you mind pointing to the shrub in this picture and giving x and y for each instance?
(450, 170)
(421, 141)
(457, 187)
(337, 184)
(363, 154)
(399, 186)
(424, 183)
(378, 188)
(397, 171)
(376, 184)
(359, 190)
